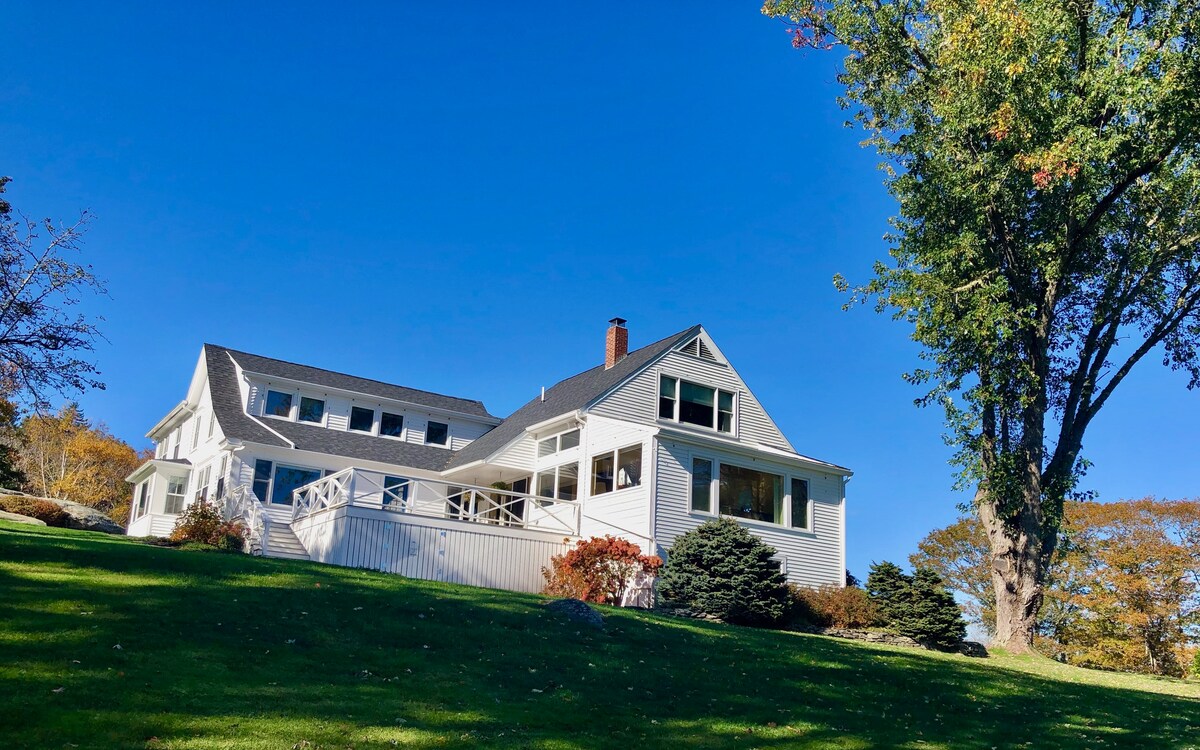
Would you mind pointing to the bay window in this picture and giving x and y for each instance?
(175, 495)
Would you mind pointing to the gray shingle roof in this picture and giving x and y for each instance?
(567, 396)
(330, 379)
(227, 400)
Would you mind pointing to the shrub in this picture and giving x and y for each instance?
(833, 607)
(49, 513)
(917, 606)
(722, 570)
(598, 570)
(202, 522)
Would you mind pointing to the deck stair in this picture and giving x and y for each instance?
(282, 542)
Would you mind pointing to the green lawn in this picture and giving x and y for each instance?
(107, 643)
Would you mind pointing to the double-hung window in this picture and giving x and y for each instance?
(691, 403)
(617, 470)
(143, 490)
(262, 480)
(175, 495)
(202, 483)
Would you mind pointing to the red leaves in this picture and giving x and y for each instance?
(598, 570)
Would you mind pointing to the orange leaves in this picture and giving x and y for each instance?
(598, 570)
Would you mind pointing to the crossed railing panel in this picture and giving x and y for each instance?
(435, 499)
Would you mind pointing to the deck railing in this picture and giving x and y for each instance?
(436, 499)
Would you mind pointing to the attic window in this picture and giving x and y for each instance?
(681, 401)
(698, 347)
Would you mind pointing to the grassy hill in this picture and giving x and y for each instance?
(108, 643)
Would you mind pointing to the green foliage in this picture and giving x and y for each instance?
(917, 606)
(832, 607)
(1044, 156)
(340, 642)
(723, 570)
(49, 513)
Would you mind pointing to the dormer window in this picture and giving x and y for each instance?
(278, 405)
(311, 409)
(683, 401)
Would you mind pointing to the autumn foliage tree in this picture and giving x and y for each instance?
(64, 456)
(1044, 157)
(1123, 591)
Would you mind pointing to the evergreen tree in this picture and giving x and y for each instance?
(932, 616)
(721, 569)
(889, 588)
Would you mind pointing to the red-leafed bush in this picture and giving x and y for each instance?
(598, 570)
(833, 607)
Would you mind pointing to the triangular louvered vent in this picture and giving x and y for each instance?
(697, 347)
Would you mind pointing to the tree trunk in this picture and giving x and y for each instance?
(1016, 575)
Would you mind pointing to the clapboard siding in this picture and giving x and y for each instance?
(812, 559)
(637, 400)
(436, 550)
(624, 513)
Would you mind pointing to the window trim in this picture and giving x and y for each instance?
(557, 438)
(167, 495)
(535, 483)
(324, 409)
(275, 467)
(293, 405)
(714, 497)
(736, 393)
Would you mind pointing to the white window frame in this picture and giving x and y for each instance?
(275, 467)
(376, 420)
(203, 478)
(715, 497)
(615, 454)
(449, 437)
(167, 495)
(293, 407)
(212, 422)
(535, 484)
(324, 409)
(736, 393)
(403, 436)
(195, 430)
(557, 438)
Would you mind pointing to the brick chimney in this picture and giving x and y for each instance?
(616, 343)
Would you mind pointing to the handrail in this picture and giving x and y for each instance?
(240, 503)
(436, 499)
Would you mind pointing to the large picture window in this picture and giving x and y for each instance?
(748, 493)
(691, 403)
(288, 479)
(278, 405)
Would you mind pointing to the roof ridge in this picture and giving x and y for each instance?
(346, 374)
(601, 366)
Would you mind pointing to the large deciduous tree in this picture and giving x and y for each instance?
(1044, 157)
(1123, 591)
(44, 340)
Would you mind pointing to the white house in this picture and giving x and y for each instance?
(355, 472)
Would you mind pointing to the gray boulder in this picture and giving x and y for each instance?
(17, 518)
(577, 611)
(87, 519)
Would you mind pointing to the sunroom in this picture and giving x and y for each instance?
(159, 492)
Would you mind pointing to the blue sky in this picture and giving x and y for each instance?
(460, 201)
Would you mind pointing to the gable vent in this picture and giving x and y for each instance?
(698, 348)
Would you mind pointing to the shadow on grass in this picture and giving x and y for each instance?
(223, 650)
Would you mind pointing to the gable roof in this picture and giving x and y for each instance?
(565, 397)
(330, 379)
(235, 423)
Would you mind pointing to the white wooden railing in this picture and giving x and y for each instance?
(240, 503)
(435, 499)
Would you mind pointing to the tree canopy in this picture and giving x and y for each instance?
(1044, 158)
